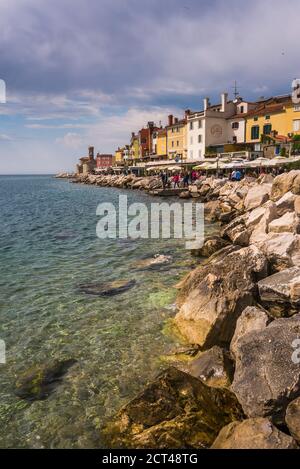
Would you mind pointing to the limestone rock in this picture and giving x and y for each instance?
(266, 378)
(292, 418)
(251, 319)
(211, 245)
(284, 183)
(214, 295)
(174, 411)
(280, 292)
(297, 205)
(282, 250)
(256, 433)
(260, 231)
(257, 196)
(285, 203)
(289, 222)
(214, 367)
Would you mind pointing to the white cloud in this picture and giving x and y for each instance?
(71, 140)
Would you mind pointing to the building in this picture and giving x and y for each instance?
(146, 141)
(218, 128)
(134, 147)
(176, 138)
(104, 161)
(162, 149)
(119, 156)
(87, 164)
(278, 114)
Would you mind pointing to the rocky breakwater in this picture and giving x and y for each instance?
(148, 183)
(240, 313)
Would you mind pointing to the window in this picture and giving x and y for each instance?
(242, 109)
(267, 117)
(296, 125)
(178, 143)
(191, 140)
(255, 132)
(234, 139)
(172, 130)
(199, 138)
(235, 125)
(297, 107)
(267, 129)
(191, 125)
(199, 124)
(172, 143)
(256, 118)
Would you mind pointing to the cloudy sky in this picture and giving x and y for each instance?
(81, 72)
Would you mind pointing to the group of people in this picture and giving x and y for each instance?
(183, 179)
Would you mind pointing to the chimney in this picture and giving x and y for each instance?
(187, 113)
(224, 97)
(176, 120)
(170, 119)
(132, 135)
(206, 103)
(91, 153)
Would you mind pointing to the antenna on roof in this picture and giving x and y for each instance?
(236, 90)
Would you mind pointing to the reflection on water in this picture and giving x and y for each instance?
(48, 247)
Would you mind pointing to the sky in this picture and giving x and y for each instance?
(89, 72)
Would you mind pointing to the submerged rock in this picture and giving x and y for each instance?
(257, 433)
(214, 367)
(213, 296)
(266, 377)
(107, 289)
(38, 382)
(153, 263)
(176, 410)
(211, 245)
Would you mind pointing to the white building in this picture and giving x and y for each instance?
(216, 125)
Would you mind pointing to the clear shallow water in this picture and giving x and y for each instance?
(48, 246)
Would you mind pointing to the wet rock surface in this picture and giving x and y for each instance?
(174, 411)
(107, 289)
(292, 419)
(214, 367)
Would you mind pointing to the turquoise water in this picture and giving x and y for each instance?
(48, 246)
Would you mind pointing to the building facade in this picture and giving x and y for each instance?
(104, 161)
(176, 138)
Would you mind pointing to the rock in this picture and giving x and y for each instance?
(153, 263)
(292, 418)
(256, 433)
(212, 210)
(257, 196)
(211, 245)
(280, 293)
(254, 217)
(184, 195)
(214, 295)
(260, 231)
(266, 378)
(213, 367)
(289, 222)
(40, 381)
(297, 205)
(251, 319)
(107, 289)
(285, 203)
(283, 184)
(265, 179)
(282, 250)
(236, 231)
(174, 411)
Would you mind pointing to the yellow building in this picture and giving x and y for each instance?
(176, 138)
(161, 148)
(277, 114)
(134, 147)
(119, 156)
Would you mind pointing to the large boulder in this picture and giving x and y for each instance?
(260, 230)
(251, 319)
(257, 196)
(176, 410)
(288, 223)
(214, 367)
(297, 205)
(213, 296)
(280, 293)
(266, 377)
(211, 245)
(284, 183)
(285, 203)
(256, 433)
(292, 418)
(282, 250)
